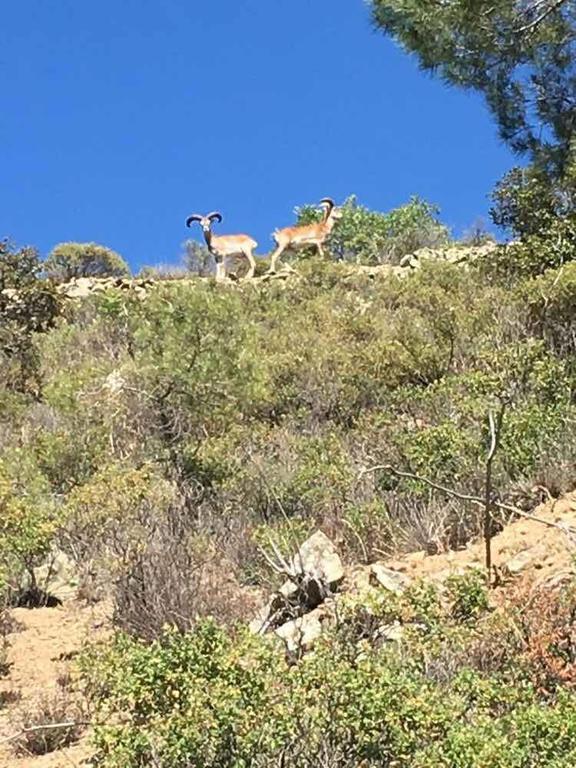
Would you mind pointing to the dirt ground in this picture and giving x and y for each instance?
(40, 657)
(42, 650)
(523, 548)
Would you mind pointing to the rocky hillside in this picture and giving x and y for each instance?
(532, 556)
(258, 489)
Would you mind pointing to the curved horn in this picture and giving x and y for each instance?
(215, 215)
(328, 202)
(194, 217)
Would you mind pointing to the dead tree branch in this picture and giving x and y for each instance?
(476, 500)
(46, 727)
(495, 431)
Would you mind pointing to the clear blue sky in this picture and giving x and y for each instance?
(120, 117)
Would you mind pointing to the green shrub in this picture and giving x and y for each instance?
(370, 237)
(28, 521)
(551, 303)
(71, 260)
(197, 356)
(468, 595)
(69, 457)
(526, 202)
(112, 500)
(28, 306)
(535, 254)
(213, 698)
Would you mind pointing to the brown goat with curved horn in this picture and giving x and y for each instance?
(224, 246)
(294, 238)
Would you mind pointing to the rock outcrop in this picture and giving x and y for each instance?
(82, 287)
(310, 598)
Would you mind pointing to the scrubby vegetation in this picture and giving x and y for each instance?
(161, 441)
(464, 688)
(71, 260)
(239, 408)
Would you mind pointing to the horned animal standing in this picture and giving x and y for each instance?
(223, 246)
(294, 238)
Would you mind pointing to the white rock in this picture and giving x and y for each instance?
(302, 633)
(390, 633)
(388, 579)
(58, 576)
(521, 561)
(318, 558)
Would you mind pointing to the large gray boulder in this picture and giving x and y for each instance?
(315, 573)
(318, 557)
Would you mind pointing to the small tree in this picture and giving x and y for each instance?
(69, 260)
(197, 258)
(526, 201)
(28, 305)
(28, 521)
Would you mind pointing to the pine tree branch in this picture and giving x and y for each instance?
(532, 25)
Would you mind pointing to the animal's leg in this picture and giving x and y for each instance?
(220, 268)
(251, 260)
(320, 250)
(276, 255)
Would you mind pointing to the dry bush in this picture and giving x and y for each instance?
(165, 272)
(181, 573)
(490, 646)
(166, 556)
(546, 619)
(9, 697)
(556, 471)
(8, 625)
(55, 721)
(432, 523)
(328, 754)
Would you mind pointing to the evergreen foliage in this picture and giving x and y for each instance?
(520, 56)
(70, 260)
(28, 306)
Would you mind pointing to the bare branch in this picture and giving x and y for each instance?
(477, 501)
(46, 727)
(276, 568)
(358, 538)
(495, 430)
(535, 23)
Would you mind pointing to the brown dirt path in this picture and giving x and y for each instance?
(40, 655)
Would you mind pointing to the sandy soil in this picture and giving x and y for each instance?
(41, 657)
(524, 548)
